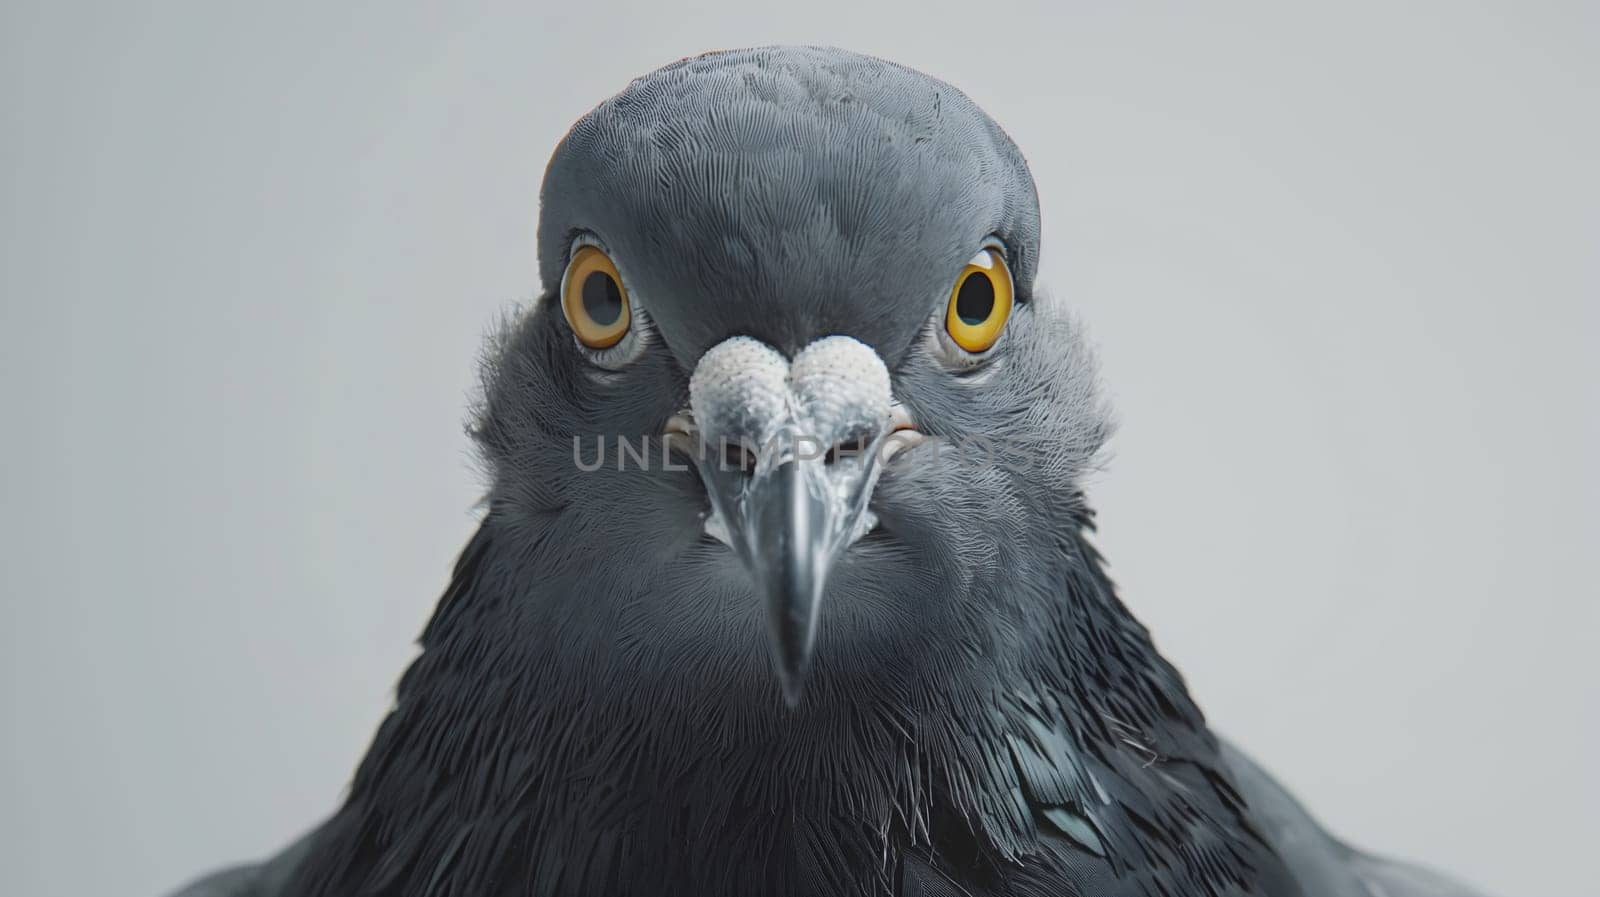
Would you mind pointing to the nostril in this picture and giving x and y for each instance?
(850, 448)
(738, 456)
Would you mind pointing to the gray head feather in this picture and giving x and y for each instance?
(757, 191)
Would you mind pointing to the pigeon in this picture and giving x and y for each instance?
(786, 582)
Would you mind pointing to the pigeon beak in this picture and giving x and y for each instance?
(797, 448)
(788, 551)
(789, 522)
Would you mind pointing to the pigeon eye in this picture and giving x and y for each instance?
(594, 300)
(980, 302)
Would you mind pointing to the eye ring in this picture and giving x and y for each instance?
(594, 299)
(980, 302)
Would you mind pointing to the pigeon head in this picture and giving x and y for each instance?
(788, 408)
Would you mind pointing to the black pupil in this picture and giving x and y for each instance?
(975, 301)
(602, 300)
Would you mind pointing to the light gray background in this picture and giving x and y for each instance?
(1341, 266)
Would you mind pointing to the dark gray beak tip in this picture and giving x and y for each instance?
(792, 635)
(793, 687)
